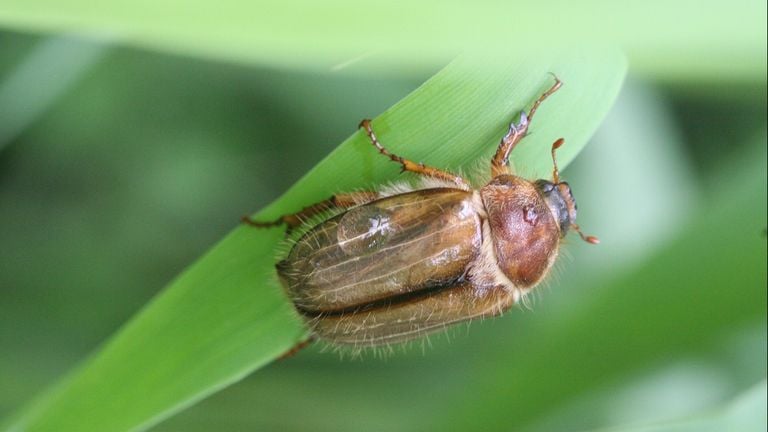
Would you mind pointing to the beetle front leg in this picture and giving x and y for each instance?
(295, 220)
(500, 161)
(408, 165)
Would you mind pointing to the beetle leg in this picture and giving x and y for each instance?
(500, 161)
(408, 165)
(294, 220)
(296, 348)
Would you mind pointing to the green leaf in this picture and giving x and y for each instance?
(744, 413)
(677, 40)
(225, 316)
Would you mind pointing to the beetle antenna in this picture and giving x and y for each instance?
(555, 172)
(589, 239)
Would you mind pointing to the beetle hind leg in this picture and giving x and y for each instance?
(295, 220)
(409, 165)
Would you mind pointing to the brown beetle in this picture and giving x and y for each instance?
(397, 264)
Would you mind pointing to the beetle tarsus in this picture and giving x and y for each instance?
(555, 87)
(259, 224)
(409, 165)
(295, 220)
(296, 348)
(517, 132)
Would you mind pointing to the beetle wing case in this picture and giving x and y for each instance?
(392, 269)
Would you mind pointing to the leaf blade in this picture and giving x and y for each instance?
(712, 43)
(225, 316)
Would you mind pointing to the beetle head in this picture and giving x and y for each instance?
(559, 199)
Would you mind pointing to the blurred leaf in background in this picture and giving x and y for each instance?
(683, 40)
(119, 167)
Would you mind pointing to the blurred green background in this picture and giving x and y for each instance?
(120, 166)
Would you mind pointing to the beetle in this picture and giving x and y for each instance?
(397, 264)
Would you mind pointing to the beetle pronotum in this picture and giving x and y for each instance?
(394, 265)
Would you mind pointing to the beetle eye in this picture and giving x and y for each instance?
(546, 186)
